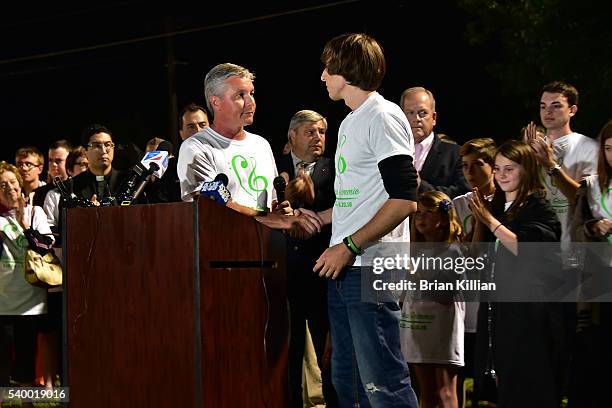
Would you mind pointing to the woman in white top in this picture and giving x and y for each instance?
(22, 305)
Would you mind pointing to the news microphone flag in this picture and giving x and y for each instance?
(159, 157)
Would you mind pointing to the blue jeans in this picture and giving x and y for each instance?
(368, 368)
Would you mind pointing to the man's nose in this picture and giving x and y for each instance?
(324, 75)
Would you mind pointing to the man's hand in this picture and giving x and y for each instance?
(283, 208)
(306, 224)
(307, 220)
(333, 260)
(94, 200)
(602, 228)
(543, 151)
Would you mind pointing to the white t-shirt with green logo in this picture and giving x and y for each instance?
(577, 154)
(17, 296)
(376, 130)
(248, 164)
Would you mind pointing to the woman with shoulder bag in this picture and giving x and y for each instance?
(23, 307)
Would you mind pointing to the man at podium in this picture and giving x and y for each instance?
(226, 147)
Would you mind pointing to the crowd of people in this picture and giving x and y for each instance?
(393, 179)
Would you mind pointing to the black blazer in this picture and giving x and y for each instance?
(322, 176)
(84, 185)
(40, 193)
(442, 170)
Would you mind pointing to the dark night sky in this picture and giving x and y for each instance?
(126, 87)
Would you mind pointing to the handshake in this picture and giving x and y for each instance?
(299, 223)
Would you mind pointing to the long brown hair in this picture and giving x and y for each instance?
(604, 171)
(530, 180)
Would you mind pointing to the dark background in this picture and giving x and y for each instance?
(63, 67)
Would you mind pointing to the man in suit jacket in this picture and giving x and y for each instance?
(438, 163)
(311, 186)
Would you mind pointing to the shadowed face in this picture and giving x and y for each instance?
(428, 221)
(29, 167)
(555, 111)
(420, 114)
(335, 84)
(57, 163)
(236, 107)
(508, 176)
(308, 140)
(10, 190)
(477, 172)
(193, 122)
(100, 151)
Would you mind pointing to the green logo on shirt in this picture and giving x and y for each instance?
(256, 184)
(341, 165)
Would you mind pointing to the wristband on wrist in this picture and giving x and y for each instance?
(348, 241)
(495, 229)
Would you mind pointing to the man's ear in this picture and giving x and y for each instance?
(214, 101)
(291, 137)
(573, 109)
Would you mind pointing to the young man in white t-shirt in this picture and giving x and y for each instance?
(375, 189)
(566, 156)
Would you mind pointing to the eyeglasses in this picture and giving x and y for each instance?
(99, 145)
(27, 165)
(82, 164)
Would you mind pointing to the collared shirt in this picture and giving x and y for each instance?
(300, 164)
(421, 150)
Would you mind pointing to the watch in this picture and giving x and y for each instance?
(556, 169)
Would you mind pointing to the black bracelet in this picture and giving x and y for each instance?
(351, 245)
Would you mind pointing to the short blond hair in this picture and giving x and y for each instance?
(4, 166)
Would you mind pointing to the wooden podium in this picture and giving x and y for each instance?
(174, 305)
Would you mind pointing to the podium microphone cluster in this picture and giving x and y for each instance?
(153, 165)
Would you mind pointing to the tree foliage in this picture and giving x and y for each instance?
(533, 42)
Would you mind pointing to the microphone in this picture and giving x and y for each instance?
(216, 190)
(70, 199)
(154, 164)
(279, 185)
(165, 146)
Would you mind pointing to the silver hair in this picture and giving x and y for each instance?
(304, 116)
(214, 82)
(415, 90)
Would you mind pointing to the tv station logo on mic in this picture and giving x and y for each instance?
(160, 158)
(215, 190)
